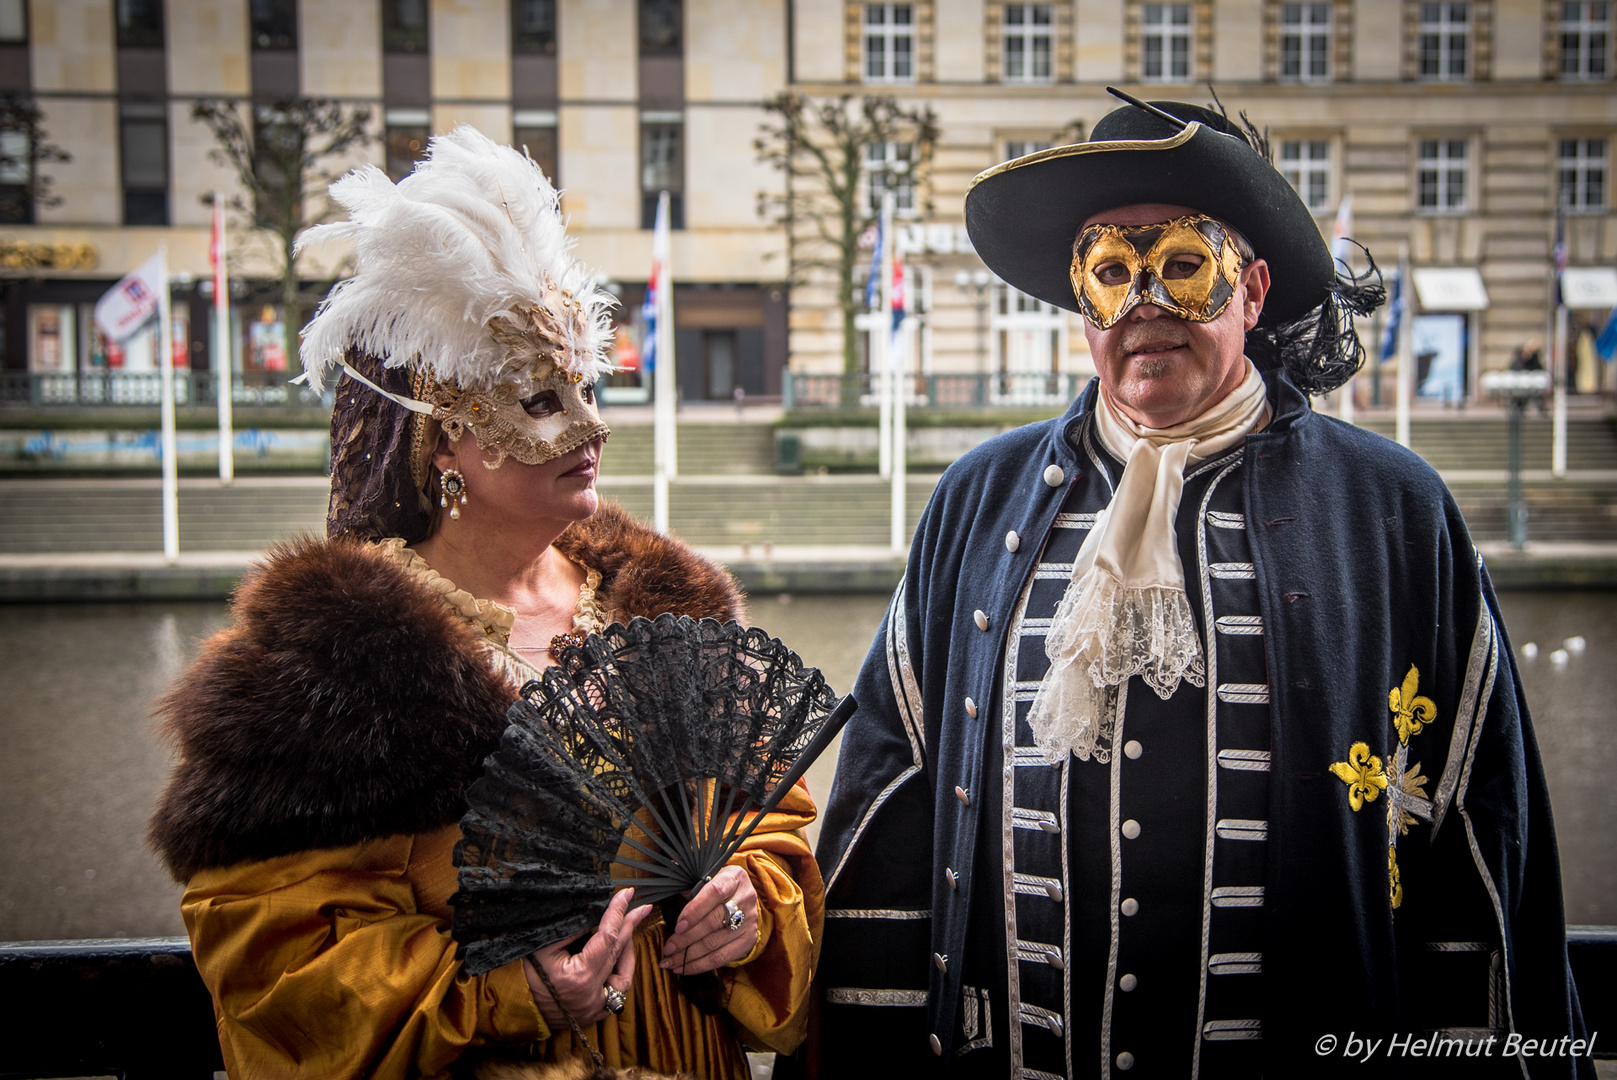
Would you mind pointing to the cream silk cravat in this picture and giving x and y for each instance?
(1125, 612)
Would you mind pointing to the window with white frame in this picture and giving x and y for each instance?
(1444, 42)
(1029, 348)
(1306, 165)
(1585, 39)
(1015, 148)
(1305, 42)
(1027, 43)
(887, 168)
(1581, 175)
(889, 34)
(1165, 31)
(1441, 176)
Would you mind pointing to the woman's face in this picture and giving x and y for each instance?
(561, 489)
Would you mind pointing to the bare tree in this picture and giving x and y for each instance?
(838, 157)
(24, 147)
(284, 154)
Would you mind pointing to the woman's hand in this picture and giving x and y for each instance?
(702, 939)
(607, 959)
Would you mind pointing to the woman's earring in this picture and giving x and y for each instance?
(453, 485)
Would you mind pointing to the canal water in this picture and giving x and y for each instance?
(80, 768)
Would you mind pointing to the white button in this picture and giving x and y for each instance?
(1054, 960)
(1054, 1025)
(1131, 829)
(937, 1044)
(1132, 749)
(1053, 891)
(1053, 475)
(941, 961)
(1129, 906)
(1127, 983)
(1012, 541)
(1125, 1061)
(963, 795)
(954, 878)
(971, 708)
(980, 617)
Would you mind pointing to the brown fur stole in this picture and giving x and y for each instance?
(347, 702)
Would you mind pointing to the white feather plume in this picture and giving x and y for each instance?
(469, 236)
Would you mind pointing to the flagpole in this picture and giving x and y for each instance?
(171, 480)
(1406, 346)
(892, 385)
(222, 366)
(665, 463)
(881, 341)
(1558, 371)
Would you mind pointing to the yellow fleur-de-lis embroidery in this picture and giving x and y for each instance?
(1411, 783)
(1410, 711)
(1395, 888)
(1362, 773)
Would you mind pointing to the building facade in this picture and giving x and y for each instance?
(1476, 133)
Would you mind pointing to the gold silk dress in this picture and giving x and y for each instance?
(338, 962)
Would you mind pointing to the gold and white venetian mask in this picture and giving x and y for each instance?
(1188, 267)
(540, 405)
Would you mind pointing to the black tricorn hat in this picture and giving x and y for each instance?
(1023, 215)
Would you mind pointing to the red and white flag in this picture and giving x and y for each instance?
(128, 304)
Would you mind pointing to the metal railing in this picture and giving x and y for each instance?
(966, 390)
(93, 389)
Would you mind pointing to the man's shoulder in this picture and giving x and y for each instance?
(1365, 459)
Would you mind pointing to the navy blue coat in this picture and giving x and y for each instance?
(1365, 569)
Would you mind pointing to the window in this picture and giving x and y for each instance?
(1305, 42)
(404, 26)
(1164, 42)
(1026, 44)
(1585, 39)
(533, 27)
(1441, 176)
(140, 24)
(662, 167)
(275, 24)
(13, 22)
(1029, 348)
(406, 139)
(1581, 175)
(1015, 148)
(889, 43)
(16, 174)
(144, 131)
(1306, 165)
(887, 167)
(1444, 41)
(662, 28)
(535, 132)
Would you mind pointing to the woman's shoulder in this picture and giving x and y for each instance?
(644, 572)
(345, 702)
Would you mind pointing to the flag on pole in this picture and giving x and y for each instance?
(1606, 343)
(216, 249)
(127, 305)
(1560, 252)
(1341, 244)
(873, 283)
(655, 283)
(1395, 316)
(899, 302)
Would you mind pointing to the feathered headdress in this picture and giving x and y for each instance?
(464, 270)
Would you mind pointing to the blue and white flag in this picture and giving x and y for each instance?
(873, 283)
(1395, 317)
(1606, 343)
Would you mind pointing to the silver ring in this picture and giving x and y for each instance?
(733, 918)
(615, 999)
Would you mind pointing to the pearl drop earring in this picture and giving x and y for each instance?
(453, 485)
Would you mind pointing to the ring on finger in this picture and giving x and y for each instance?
(733, 917)
(615, 999)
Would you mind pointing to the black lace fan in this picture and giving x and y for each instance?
(644, 757)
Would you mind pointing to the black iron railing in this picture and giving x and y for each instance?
(92, 389)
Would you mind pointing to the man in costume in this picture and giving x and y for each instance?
(1192, 743)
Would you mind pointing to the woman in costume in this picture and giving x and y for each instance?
(327, 738)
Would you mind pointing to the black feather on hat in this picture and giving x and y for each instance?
(1024, 215)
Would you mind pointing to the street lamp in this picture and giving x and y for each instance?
(1516, 389)
(968, 281)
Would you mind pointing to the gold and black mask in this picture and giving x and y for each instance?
(1188, 267)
